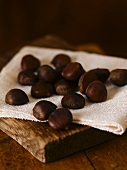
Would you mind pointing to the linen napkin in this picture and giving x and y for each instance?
(110, 115)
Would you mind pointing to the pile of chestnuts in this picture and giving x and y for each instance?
(64, 78)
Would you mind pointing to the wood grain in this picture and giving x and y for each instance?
(110, 155)
(15, 157)
(49, 145)
(39, 139)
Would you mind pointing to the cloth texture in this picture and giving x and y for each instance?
(110, 115)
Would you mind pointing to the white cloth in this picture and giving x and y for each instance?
(110, 115)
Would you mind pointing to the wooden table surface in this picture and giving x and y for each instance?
(105, 156)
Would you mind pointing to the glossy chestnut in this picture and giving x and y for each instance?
(30, 62)
(43, 109)
(73, 101)
(42, 90)
(96, 91)
(16, 97)
(118, 77)
(73, 71)
(60, 119)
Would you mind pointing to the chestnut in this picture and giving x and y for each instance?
(29, 62)
(118, 77)
(63, 87)
(101, 73)
(43, 109)
(73, 71)
(96, 91)
(27, 78)
(60, 61)
(46, 73)
(42, 90)
(85, 80)
(60, 119)
(73, 101)
(16, 97)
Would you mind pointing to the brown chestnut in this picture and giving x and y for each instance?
(27, 78)
(29, 62)
(60, 61)
(96, 91)
(42, 90)
(43, 109)
(16, 97)
(73, 71)
(60, 119)
(101, 73)
(85, 80)
(73, 101)
(63, 87)
(46, 73)
(118, 77)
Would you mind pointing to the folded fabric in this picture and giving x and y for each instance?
(110, 115)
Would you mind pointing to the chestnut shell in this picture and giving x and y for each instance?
(96, 91)
(42, 90)
(85, 80)
(118, 77)
(73, 101)
(73, 71)
(60, 119)
(43, 109)
(16, 97)
(29, 62)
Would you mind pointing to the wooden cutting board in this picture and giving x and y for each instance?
(39, 139)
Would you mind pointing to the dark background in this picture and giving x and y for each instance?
(77, 21)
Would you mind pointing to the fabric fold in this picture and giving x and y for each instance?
(110, 115)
